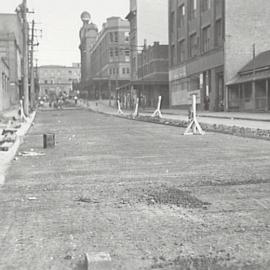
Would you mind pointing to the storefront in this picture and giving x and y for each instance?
(249, 90)
(147, 92)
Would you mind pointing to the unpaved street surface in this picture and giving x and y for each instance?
(142, 193)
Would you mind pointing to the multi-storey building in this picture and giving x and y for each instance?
(153, 72)
(4, 85)
(148, 25)
(11, 48)
(55, 79)
(110, 58)
(209, 42)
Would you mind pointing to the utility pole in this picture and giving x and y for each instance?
(25, 58)
(253, 95)
(32, 89)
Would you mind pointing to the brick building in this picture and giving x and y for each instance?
(209, 42)
(54, 79)
(11, 48)
(153, 75)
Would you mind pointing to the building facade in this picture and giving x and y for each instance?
(4, 85)
(209, 42)
(110, 58)
(153, 75)
(11, 48)
(250, 88)
(148, 25)
(106, 62)
(56, 79)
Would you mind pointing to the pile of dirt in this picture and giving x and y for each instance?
(204, 263)
(174, 196)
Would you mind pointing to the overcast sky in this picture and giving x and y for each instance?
(60, 22)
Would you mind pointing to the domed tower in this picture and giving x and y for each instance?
(88, 35)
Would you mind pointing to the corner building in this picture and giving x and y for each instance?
(209, 42)
(110, 59)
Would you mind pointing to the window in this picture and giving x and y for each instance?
(181, 16)
(206, 5)
(111, 52)
(45, 81)
(111, 37)
(126, 36)
(3, 80)
(193, 45)
(115, 36)
(206, 39)
(127, 52)
(127, 70)
(192, 9)
(172, 55)
(181, 51)
(218, 33)
(172, 27)
(218, 6)
(116, 52)
(123, 70)
(194, 83)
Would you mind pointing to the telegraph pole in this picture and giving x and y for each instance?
(32, 90)
(25, 58)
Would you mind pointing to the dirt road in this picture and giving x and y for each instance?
(144, 194)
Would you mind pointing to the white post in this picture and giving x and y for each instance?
(136, 113)
(119, 107)
(23, 117)
(157, 112)
(194, 124)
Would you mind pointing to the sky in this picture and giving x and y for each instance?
(60, 23)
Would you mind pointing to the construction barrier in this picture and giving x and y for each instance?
(194, 127)
(157, 112)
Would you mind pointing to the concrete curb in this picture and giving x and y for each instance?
(239, 131)
(230, 130)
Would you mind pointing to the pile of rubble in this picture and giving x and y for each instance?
(8, 131)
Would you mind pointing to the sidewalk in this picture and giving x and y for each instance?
(254, 125)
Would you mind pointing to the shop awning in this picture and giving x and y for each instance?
(143, 83)
(249, 78)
